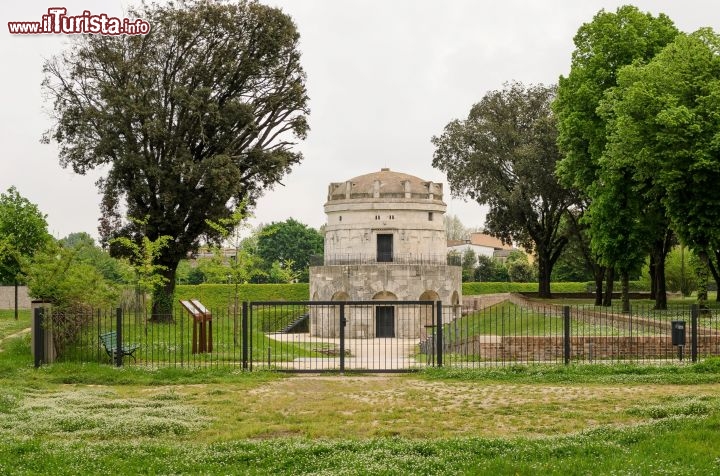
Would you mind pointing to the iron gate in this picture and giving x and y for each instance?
(312, 336)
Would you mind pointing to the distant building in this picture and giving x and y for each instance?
(384, 241)
(483, 245)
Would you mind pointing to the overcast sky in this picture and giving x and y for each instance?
(383, 77)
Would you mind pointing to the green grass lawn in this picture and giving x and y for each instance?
(8, 324)
(508, 319)
(605, 419)
(171, 343)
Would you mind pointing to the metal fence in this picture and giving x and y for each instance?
(378, 336)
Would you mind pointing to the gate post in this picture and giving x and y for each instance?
(694, 311)
(119, 338)
(39, 336)
(439, 334)
(342, 337)
(244, 330)
(566, 334)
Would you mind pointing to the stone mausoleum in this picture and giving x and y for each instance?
(384, 241)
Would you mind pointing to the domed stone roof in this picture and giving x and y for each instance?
(385, 184)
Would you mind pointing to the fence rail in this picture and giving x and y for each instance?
(378, 336)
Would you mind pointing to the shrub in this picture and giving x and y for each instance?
(470, 289)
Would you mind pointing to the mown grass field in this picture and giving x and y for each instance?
(97, 419)
(8, 324)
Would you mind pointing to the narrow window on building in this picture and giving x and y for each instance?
(430, 216)
(340, 218)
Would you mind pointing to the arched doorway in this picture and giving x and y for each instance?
(384, 315)
(427, 312)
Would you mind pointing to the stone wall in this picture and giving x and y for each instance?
(7, 297)
(482, 301)
(405, 282)
(550, 348)
(382, 282)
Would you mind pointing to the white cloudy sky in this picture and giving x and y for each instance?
(383, 77)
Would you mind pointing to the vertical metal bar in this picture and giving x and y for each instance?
(342, 337)
(244, 331)
(119, 337)
(502, 332)
(99, 331)
(566, 329)
(439, 334)
(694, 331)
(39, 336)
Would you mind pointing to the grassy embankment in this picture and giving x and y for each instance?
(92, 419)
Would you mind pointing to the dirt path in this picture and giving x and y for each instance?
(13, 336)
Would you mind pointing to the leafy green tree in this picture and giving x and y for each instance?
(603, 46)
(149, 276)
(191, 121)
(520, 272)
(503, 155)
(188, 274)
(574, 264)
(290, 243)
(667, 114)
(490, 270)
(679, 271)
(75, 287)
(282, 272)
(112, 269)
(23, 231)
(468, 264)
(454, 228)
(619, 235)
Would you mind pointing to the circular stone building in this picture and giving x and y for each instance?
(384, 241)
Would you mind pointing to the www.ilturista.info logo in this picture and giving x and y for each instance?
(58, 22)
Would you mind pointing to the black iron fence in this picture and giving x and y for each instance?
(377, 336)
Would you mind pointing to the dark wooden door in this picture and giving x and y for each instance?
(384, 248)
(384, 321)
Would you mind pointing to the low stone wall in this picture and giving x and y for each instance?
(7, 297)
(550, 348)
(481, 301)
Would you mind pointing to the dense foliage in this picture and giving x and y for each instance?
(190, 121)
(623, 223)
(503, 155)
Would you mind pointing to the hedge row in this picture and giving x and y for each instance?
(221, 295)
(471, 289)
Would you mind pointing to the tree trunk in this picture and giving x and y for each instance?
(544, 270)
(625, 279)
(659, 253)
(599, 272)
(653, 275)
(16, 299)
(713, 265)
(661, 293)
(607, 299)
(162, 298)
(702, 282)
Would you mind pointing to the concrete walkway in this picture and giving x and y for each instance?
(369, 354)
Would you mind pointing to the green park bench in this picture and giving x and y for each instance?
(109, 341)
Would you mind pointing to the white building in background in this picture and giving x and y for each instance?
(384, 241)
(483, 245)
